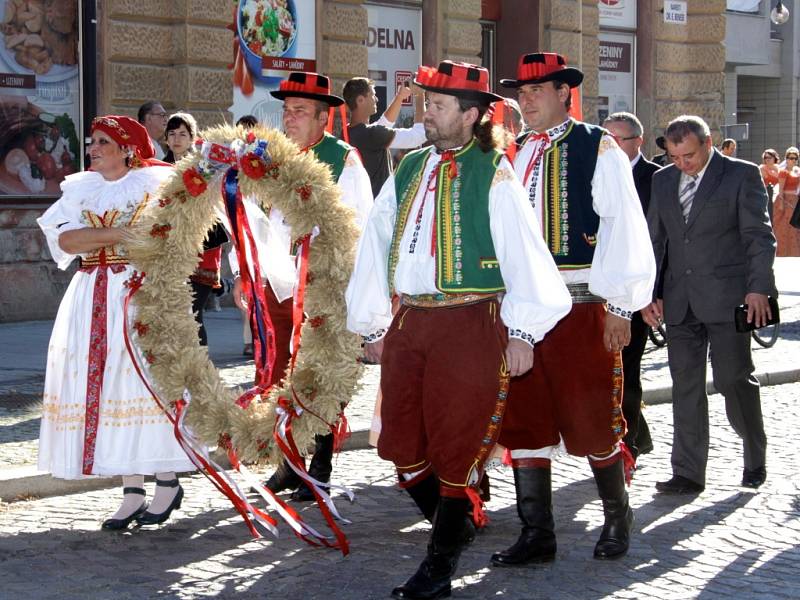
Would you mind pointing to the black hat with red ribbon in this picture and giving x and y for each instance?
(539, 67)
(462, 80)
(307, 85)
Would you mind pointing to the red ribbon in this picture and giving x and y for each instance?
(253, 287)
(537, 154)
(343, 117)
(192, 452)
(299, 300)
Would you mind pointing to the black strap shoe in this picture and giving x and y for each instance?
(118, 524)
(149, 518)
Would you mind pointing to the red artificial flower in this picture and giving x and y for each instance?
(316, 321)
(251, 137)
(194, 182)
(164, 202)
(149, 357)
(161, 231)
(304, 191)
(253, 166)
(141, 328)
(273, 170)
(224, 441)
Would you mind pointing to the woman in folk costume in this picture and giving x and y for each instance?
(98, 417)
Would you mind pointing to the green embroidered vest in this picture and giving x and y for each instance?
(466, 261)
(333, 152)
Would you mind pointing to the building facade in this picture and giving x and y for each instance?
(180, 53)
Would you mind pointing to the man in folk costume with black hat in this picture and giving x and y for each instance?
(450, 232)
(307, 100)
(580, 186)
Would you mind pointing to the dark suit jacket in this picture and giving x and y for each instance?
(642, 178)
(724, 251)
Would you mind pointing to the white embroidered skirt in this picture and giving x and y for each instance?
(127, 432)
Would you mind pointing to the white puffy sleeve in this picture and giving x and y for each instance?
(369, 306)
(623, 269)
(356, 188)
(63, 215)
(536, 297)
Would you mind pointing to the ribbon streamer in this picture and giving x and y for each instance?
(253, 286)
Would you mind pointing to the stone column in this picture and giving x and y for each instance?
(342, 26)
(689, 66)
(570, 29)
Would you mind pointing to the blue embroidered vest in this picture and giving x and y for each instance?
(570, 223)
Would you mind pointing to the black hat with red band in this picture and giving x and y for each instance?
(307, 85)
(539, 67)
(462, 80)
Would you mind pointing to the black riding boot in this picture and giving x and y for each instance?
(615, 536)
(432, 579)
(284, 478)
(425, 495)
(320, 467)
(537, 542)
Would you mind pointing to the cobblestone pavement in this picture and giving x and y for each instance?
(20, 407)
(726, 542)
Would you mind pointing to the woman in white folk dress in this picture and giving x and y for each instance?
(98, 417)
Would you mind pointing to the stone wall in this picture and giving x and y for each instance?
(32, 284)
(342, 28)
(176, 52)
(689, 65)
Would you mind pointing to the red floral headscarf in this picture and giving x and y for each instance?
(129, 132)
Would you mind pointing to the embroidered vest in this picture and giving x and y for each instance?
(333, 152)
(466, 261)
(570, 223)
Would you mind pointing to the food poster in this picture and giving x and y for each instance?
(39, 96)
(271, 39)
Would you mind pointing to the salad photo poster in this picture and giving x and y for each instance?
(39, 96)
(272, 38)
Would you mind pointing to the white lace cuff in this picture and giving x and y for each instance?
(522, 335)
(374, 337)
(620, 312)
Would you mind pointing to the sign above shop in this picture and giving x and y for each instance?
(616, 78)
(394, 51)
(617, 13)
(675, 12)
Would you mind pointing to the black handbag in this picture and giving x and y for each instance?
(794, 220)
(740, 316)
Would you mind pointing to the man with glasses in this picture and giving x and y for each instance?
(154, 118)
(627, 129)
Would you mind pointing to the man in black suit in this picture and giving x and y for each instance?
(709, 212)
(627, 129)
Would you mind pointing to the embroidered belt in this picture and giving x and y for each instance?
(444, 300)
(581, 295)
(97, 260)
